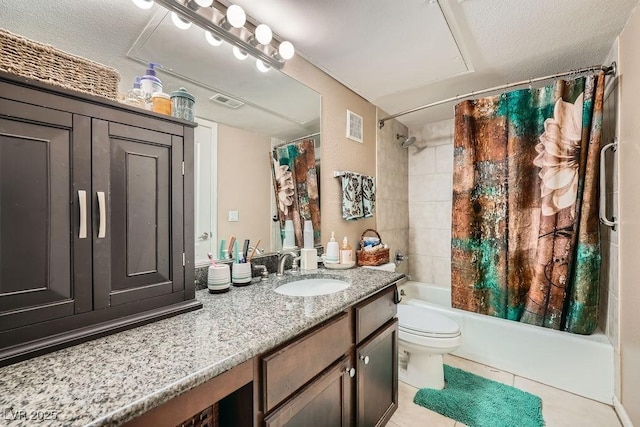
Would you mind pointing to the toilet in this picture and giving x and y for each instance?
(423, 337)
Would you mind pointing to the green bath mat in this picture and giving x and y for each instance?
(479, 402)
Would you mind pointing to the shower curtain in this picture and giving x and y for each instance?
(295, 185)
(525, 230)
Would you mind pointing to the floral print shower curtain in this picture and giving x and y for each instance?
(525, 236)
(295, 185)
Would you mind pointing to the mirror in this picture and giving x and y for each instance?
(242, 113)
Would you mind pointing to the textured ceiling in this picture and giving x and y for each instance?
(371, 43)
(398, 55)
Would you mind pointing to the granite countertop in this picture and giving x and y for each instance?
(110, 380)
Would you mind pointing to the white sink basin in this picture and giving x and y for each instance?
(312, 287)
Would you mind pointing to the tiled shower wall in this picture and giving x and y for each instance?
(430, 177)
(392, 214)
(609, 289)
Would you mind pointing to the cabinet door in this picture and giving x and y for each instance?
(36, 280)
(377, 373)
(325, 402)
(138, 213)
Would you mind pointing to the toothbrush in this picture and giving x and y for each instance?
(235, 250)
(213, 261)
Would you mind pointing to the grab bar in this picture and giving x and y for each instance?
(603, 186)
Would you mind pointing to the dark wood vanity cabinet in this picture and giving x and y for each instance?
(95, 217)
(343, 373)
(377, 376)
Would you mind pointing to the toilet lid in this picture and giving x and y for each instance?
(422, 321)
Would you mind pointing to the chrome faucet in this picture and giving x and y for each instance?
(283, 259)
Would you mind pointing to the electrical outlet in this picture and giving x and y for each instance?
(233, 216)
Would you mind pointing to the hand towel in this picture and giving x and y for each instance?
(368, 196)
(352, 208)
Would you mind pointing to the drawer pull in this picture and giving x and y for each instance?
(82, 202)
(365, 359)
(102, 205)
(351, 372)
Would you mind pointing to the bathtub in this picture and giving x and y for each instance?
(579, 364)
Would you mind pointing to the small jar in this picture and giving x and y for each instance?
(161, 103)
(182, 104)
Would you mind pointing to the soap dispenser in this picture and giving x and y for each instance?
(346, 252)
(333, 255)
(150, 84)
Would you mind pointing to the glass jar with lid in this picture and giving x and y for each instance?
(182, 104)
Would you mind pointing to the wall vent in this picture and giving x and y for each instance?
(227, 101)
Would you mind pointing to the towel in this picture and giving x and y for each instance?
(352, 207)
(368, 196)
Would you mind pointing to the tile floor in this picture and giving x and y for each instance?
(559, 408)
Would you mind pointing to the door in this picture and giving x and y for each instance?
(138, 213)
(324, 402)
(206, 183)
(377, 373)
(36, 210)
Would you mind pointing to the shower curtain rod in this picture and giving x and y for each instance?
(608, 70)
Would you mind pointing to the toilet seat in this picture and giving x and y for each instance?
(422, 322)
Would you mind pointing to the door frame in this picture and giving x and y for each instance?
(214, 184)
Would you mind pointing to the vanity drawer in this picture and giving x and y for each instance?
(290, 367)
(374, 312)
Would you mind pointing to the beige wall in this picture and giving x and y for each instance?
(629, 159)
(242, 188)
(337, 151)
(393, 189)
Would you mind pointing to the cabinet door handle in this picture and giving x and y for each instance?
(102, 205)
(82, 202)
(351, 372)
(365, 359)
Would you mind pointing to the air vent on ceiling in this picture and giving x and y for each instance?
(227, 101)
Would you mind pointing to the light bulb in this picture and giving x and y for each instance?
(204, 3)
(262, 66)
(213, 40)
(286, 50)
(239, 54)
(236, 16)
(179, 21)
(143, 4)
(263, 34)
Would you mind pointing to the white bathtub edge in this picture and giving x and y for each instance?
(622, 413)
(484, 342)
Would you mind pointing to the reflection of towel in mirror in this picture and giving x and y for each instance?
(368, 196)
(352, 208)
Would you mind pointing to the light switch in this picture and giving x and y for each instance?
(233, 216)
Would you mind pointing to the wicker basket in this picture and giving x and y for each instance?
(377, 257)
(38, 61)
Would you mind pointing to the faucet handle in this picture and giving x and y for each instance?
(264, 273)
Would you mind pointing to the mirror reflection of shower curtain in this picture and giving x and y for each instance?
(525, 240)
(296, 187)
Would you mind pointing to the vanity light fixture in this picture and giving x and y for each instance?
(263, 34)
(143, 4)
(235, 18)
(211, 39)
(239, 54)
(197, 4)
(179, 21)
(286, 50)
(230, 24)
(261, 66)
